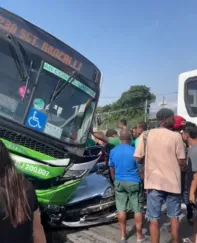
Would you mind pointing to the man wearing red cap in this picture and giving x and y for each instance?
(179, 123)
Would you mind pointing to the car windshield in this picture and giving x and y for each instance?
(67, 117)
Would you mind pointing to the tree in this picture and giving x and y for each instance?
(129, 106)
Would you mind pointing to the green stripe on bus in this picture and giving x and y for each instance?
(66, 77)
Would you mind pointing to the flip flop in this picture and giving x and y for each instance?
(187, 240)
(144, 237)
(141, 240)
(123, 241)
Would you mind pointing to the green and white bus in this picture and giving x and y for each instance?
(48, 96)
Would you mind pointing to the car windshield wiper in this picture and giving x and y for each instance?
(19, 58)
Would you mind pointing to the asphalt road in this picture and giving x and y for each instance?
(110, 233)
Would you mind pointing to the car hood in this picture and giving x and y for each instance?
(92, 186)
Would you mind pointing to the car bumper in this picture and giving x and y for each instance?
(86, 221)
(91, 215)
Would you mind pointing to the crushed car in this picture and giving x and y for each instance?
(94, 201)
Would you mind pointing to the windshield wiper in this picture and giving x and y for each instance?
(18, 58)
(59, 90)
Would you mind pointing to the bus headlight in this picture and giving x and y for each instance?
(78, 170)
(75, 174)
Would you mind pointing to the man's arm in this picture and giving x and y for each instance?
(101, 137)
(182, 163)
(140, 150)
(112, 173)
(193, 189)
(112, 165)
(180, 152)
(193, 168)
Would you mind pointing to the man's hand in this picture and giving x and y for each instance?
(138, 159)
(192, 198)
(182, 164)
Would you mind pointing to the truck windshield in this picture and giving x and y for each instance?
(67, 117)
(191, 96)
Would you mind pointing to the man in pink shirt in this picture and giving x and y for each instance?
(164, 155)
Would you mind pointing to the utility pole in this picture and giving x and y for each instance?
(163, 104)
(145, 110)
(96, 120)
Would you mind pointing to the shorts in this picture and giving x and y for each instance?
(129, 196)
(155, 200)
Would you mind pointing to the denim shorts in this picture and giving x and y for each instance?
(155, 200)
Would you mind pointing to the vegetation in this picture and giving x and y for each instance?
(130, 106)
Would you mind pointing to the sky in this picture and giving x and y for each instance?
(146, 42)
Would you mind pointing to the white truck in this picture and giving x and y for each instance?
(187, 96)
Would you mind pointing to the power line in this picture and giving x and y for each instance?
(117, 97)
(142, 105)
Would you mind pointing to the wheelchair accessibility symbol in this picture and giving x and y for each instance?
(36, 120)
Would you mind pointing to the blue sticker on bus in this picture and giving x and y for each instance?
(36, 120)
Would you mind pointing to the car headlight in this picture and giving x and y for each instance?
(109, 192)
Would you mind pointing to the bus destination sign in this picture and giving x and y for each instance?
(38, 38)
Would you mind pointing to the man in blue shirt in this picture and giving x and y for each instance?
(127, 182)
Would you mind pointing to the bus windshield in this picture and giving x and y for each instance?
(67, 117)
(11, 85)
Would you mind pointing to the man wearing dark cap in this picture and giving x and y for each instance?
(164, 156)
(128, 186)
